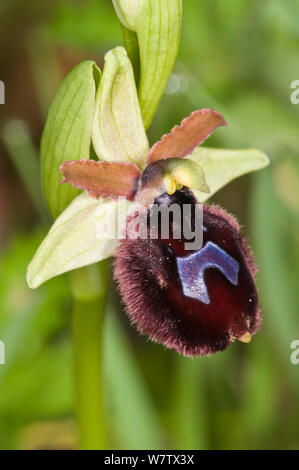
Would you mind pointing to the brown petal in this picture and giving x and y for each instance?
(102, 179)
(183, 139)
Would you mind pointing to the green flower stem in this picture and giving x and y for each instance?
(89, 288)
(131, 43)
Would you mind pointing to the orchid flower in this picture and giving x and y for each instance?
(158, 280)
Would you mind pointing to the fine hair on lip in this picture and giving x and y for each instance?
(166, 300)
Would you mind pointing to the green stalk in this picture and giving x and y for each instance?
(131, 43)
(89, 287)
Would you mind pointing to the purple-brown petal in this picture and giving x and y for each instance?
(102, 179)
(195, 302)
(183, 139)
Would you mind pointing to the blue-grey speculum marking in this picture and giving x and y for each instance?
(191, 270)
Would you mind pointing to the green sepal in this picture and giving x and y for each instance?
(67, 133)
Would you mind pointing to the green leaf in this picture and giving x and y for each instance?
(118, 133)
(23, 154)
(276, 250)
(85, 233)
(190, 419)
(67, 133)
(222, 166)
(137, 424)
(39, 386)
(158, 28)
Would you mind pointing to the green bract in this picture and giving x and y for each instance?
(158, 30)
(128, 11)
(157, 24)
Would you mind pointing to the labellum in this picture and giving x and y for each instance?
(194, 301)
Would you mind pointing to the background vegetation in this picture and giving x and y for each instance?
(239, 57)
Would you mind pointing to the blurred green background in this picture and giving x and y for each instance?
(239, 57)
